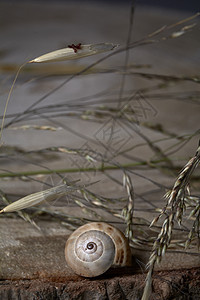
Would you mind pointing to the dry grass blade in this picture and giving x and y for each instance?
(36, 127)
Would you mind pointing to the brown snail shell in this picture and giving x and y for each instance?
(94, 247)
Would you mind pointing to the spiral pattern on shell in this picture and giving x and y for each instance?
(93, 248)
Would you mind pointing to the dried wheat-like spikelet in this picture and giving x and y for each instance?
(174, 209)
(37, 198)
(74, 52)
(127, 212)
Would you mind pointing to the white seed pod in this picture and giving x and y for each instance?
(93, 248)
(74, 52)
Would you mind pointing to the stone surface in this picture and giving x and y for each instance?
(183, 284)
(33, 267)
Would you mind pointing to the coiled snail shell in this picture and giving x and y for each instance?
(93, 248)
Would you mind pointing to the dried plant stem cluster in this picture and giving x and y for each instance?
(99, 108)
(173, 211)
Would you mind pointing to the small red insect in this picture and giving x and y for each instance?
(75, 47)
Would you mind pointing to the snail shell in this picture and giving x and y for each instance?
(93, 248)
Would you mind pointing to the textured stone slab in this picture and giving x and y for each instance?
(26, 253)
(183, 284)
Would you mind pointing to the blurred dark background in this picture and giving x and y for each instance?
(184, 5)
(193, 5)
